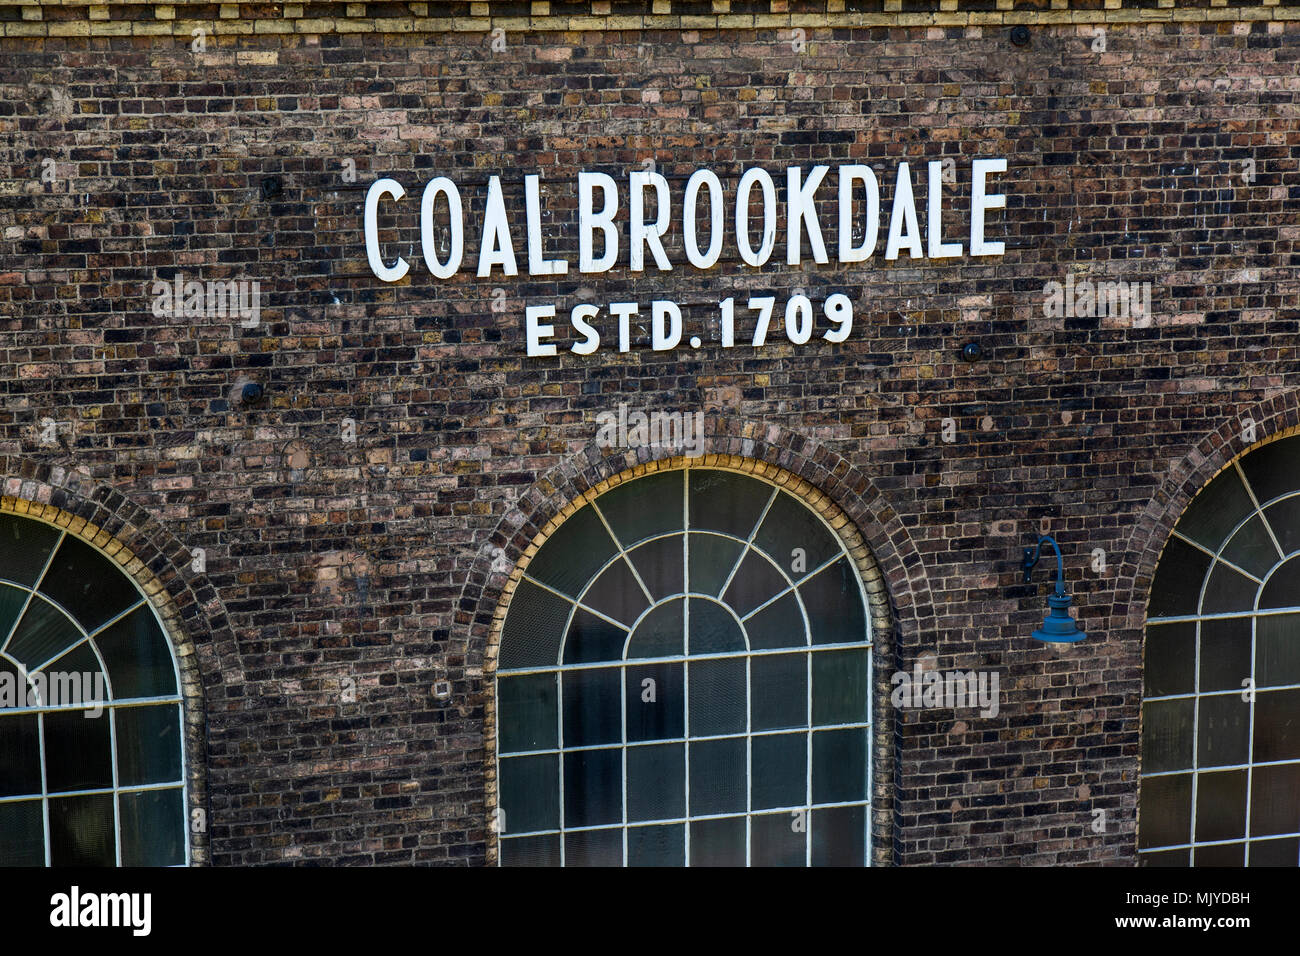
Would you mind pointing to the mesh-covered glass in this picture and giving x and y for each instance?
(684, 678)
(91, 756)
(1220, 783)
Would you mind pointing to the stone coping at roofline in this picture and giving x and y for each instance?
(76, 18)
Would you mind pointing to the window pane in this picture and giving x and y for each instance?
(1277, 725)
(530, 793)
(839, 765)
(43, 632)
(1165, 810)
(660, 633)
(712, 558)
(1272, 469)
(1166, 735)
(780, 624)
(75, 678)
(148, 744)
(153, 828)
(839, 836)
(1251, 548)
(592, 639)
(81, 831)
(655, 710)
(20, 756)
(1176, 589)
(661, 565)
(1223, 726)
(646, 507)
(1275, 800)
(593, 705)
(22, 834)
(1225, 653)
(717, 776)
(1277, 650)
(527, 712)
(727, 502)
(789, 525)
(1228, 590)
(574, 552)
(780, 691)
(1216, 510)
(656, 782)
(78, 755)
(1229, 854)
(1284, 519)
(718, 842)
(616, 594)
(756, 583)
(779, 771)
(531, 636)
(1170, 663)
(1220, 805)
(138, 657)
(91, 586)
(25, 546)
(12, 602)
(717, 697)
(594, 848)
(593, 788)
(531, 851)
(833, 600)
(778, 839)
(1166, 858)
(1275, 852)
(657, 846)
(713, 629)
(1283, 587)
(840, 687)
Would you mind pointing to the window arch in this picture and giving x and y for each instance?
(684, 677)
(92, 767)
(1220, 782)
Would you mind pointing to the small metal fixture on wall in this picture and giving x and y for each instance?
(1058, 627)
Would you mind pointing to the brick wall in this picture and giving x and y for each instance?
(1166, 152)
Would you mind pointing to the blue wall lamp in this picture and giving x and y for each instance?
(1058, 627)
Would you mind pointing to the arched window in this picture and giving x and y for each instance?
(684, 677)
(91, 761)
(1221, 709)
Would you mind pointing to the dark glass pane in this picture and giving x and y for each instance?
(1166, 735)
(790, 525)
(779, 683)
(1166, 858)
(1216, 510)
(1277, 725)
(148, 744)
(593, 788)
(727, 502)
(43, 632)
(718, 842)
(1228, 854)
(592, 639)
(839, 836)
(1284, 519)
(1275, 800)
(617, 595)
(655, 710)
(1222, 730)
(153, 828)
(1228, 590)
(755, 583)
(717, 776)
(713, 629)
(1165, 810)
(25, 546)
(1176, 589)
(779, 771)
(659, 633)
(1277, 650)
(138, 656)
(91, 586)
(657, 846)
(645, 507)
(81, 831)
(20, 756)
(839, 765)
(1283, 588)
(1225, 653)
(1251, 549)
(717, 697)
(530, 793)
(778, 839)
(593, 707)
(661, 565)
(22, 834)
(834, 604)
(1272, 469)
(780, 624)
(712, 558)
(533, 628)
(12, 600)
(656, 782)
(1275, 853)
(1170, 663)
(78, 755)
(531, 851)
(1220, 805)
(74, 679)
(840, 687)
(594, 848)
(572, 555)
(526, 712)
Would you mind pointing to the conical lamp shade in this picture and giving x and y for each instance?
(1059, 627)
